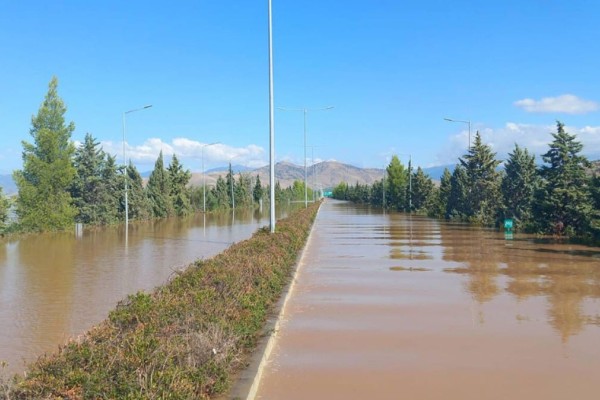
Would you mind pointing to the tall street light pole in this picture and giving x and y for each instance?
(305, 110)
(314, 170)
(464, 122)
(204, 177)
(125, 163)
(232, 194)
(271, 126)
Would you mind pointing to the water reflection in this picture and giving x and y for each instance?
(566, 275)
(404, 304)
(55, 286)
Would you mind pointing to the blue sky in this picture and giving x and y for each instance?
(393, 70)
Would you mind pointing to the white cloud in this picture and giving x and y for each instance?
(189, 152)
(533, 137)
(567, 103)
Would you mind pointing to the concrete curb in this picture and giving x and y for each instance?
(247, 384)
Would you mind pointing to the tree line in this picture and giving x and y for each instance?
(61, 184)
(559, 197)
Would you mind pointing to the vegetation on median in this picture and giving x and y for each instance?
(184, 340)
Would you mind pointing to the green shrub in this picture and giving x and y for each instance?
(184, 340)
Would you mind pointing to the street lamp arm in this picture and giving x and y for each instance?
(125, 170)
(464, 122)
(138, 109)
(457, 120)
(306, 109)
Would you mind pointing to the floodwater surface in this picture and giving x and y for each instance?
(56, 286)
(390, 306)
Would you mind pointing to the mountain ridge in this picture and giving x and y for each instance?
(325, 174)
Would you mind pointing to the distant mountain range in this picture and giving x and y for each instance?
(324, 174)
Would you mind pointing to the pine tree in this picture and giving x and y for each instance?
(44, 201)
(483, 183)
(518, 186)
(563, 203)
(179, 179)
(159, 190)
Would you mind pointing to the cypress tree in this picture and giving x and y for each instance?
(139, 204)
(179, 178)
(230, 180)
(111, 192)
(220, 193)
(44, 201)
(242, 190)
(258, 190)
(159, 190)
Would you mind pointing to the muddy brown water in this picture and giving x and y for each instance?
(390, 306)
(55, 286)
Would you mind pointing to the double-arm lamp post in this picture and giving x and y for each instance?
(305, 111)
(125, 162)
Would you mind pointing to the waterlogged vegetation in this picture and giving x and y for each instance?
(187, 338)
(561, 197)
(61, 184)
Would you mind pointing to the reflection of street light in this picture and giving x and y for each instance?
(125, 162)
(305, 110)
(464, 122)
(204, 177)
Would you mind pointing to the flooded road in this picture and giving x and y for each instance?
(390, 306)
(56, 286)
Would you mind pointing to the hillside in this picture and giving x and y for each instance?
(324, 174)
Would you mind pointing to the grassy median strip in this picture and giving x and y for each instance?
(187, 338)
